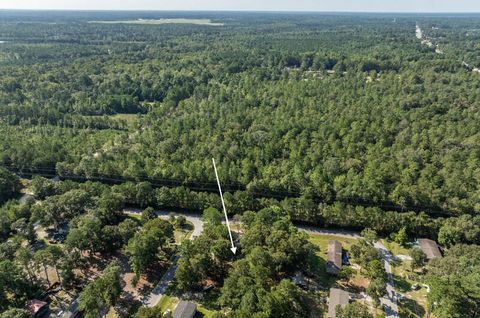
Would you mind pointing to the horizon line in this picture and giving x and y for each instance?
(241, 11)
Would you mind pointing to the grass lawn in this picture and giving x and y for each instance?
(322, 242)
(412, 307)
(112, 313)
(416, 303)
(134, 216)
(183, 233)
(170, 302)
(129, 118)
(322, 277)
(167, 302)
(395, 248)
(205, 312)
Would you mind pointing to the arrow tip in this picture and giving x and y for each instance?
(234, 250)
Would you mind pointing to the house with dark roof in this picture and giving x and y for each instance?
(430, 248)
(338, 297)
(37, 308)
(185, 309)
(334, 257)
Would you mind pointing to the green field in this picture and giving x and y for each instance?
(162, 21)
(322, 242)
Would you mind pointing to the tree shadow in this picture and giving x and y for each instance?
(410, 308)
(187, 227)
(318, 271)
(401, 284)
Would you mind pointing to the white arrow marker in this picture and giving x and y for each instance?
(233, 249)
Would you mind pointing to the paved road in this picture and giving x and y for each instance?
(195, 219)
(162, 286)
(167, 278)
(389, 301)
(322, 231)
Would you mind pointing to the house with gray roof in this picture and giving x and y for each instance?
(334, 257)
(430, 248)
(338, 297)
(185, 309)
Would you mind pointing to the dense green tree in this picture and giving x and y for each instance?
(463, 229)
(63, 208)
(25, 258)
(401, 236)
(454, 284)
(14, 313)
(148, 214)
(101, 293)
(145, 312)
(207, 257)
(418, 258)
(144, 247)
(212, 216)
(376, 289)
(86, 234)
(369, 235)
(15, 288)
(353, 310)
(9, 184)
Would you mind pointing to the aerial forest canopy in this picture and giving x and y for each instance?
(335, 109)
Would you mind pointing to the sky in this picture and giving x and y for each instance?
(252, 5)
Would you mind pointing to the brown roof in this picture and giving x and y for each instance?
(185, 309)
(33, 306)
(334, 257)
(337, 297)
(430, 248)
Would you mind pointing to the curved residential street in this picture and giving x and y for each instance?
(389, 301)
(195, 219)
(167, 278)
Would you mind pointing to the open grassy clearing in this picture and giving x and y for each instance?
(395, 248)
(167, 303)
(162, 21)
(183, 234)
(322, 242)
(129, 118)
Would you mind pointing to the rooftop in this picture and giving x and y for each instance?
(337, 297)
(34, 306)
(334, 257)
(430, 248)
(185, 309)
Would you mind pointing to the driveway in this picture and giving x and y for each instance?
(157, 293)
(321, 231)
(389, 301)
(162, 286)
